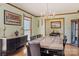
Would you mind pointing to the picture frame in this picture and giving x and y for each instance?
(56, 24)
(11, 18)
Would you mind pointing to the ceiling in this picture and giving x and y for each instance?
(39, 9)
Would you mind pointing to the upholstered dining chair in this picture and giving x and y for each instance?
(64, 43)
(39, 35)
(34, 49)
(33, 37)
(28, 51)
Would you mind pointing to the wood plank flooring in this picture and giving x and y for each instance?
(71, 50)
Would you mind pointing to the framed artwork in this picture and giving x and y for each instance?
(11, 18)
(56, 24)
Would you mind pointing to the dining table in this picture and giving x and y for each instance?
(49, 42)
(50, 45)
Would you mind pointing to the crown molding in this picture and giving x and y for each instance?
(21, 9)
(67, 13)
(42, 16)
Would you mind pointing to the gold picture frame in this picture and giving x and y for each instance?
(11, 18)
(56, 24)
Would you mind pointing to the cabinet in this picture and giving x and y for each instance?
(10, 46)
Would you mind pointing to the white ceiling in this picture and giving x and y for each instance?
(41, 8)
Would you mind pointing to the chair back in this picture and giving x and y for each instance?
(34, 49)
(64, 41)
(38, 36)
(33, 37)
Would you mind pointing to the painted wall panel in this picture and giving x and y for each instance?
(10, 29)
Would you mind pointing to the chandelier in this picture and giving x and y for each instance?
(49, 13)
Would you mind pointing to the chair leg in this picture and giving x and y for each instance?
(28, 51)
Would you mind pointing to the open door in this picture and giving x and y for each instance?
(78, 32)
(74, 32)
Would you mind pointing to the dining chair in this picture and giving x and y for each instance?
(39, 35)
(34, 49)
(33, 37)
(28, 51)
(64, 43)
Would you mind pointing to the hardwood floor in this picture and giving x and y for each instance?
(21, 52)
(71, 50)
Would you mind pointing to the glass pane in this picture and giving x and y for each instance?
(26, 24)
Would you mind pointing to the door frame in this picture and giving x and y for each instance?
(71, 30)
(77, 22)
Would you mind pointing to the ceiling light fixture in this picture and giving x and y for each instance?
(48, 13)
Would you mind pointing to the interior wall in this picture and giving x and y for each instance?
(10, 29)
(67, 19)
(57, 30)
(35, 26)
(38, 26)
(42, 26)
(67, 25)
(67, 22)
(36, 29)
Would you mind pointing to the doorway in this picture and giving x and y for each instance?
(74, 32)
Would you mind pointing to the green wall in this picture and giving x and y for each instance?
(10, 29)
(35, 26)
